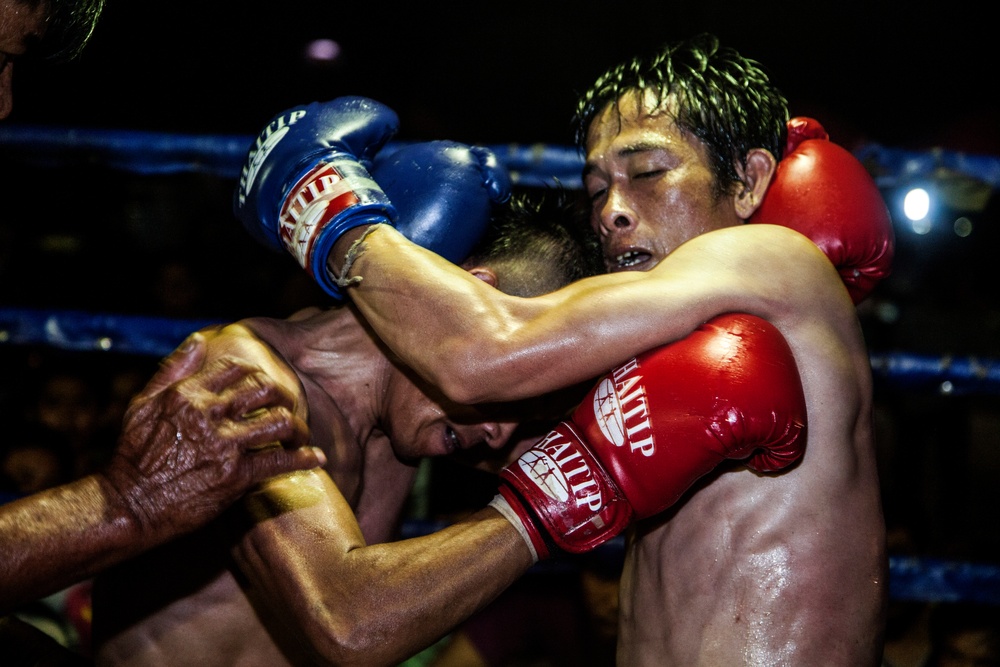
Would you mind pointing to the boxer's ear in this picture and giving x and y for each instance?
(756, 178)
(485, 274)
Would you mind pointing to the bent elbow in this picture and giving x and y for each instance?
(340, 639)
(355, 639)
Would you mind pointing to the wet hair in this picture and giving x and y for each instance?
(538, 242)
(722, 98)
(69, 26)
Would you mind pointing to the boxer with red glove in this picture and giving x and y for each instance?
(652, 427)
(822, 191)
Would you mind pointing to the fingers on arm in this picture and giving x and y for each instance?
(261, 414)
(254, 390)
(273, 461)
(181, 363)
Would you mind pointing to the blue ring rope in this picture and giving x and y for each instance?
(158, 336)
(530, 164)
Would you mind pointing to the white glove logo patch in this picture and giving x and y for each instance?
(312, 202)
(264, 144)
(560, 470)
(621, 410)
(608, 413)
(544, 472)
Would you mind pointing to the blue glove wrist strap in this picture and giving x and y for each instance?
(332, 196)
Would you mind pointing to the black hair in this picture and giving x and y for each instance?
(69, 26)
(538, 242)
(724, 99)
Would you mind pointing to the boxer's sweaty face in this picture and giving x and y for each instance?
(650, 185)
(422, 422)
(20, 24)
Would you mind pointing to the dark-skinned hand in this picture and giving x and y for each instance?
(196, 439)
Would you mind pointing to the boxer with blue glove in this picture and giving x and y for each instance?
(306, 182)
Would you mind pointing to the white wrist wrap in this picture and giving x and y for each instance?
(500, 504)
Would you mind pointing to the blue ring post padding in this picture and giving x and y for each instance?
(151, 153)
(127, 150)
(890, 166)
(223, 155)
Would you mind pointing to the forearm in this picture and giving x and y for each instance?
(490, 346)
(374, 604)
(61, 536)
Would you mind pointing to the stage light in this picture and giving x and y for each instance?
(917, 204)
(323, 51)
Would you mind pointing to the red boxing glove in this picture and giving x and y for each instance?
(654, 426)
(822, 191)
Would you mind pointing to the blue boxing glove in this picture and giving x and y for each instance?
(444, 193)
(305, 180)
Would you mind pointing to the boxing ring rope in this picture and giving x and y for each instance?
(151, 153)
(158, 336)
(530, 165)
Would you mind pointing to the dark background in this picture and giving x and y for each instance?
(897, 73)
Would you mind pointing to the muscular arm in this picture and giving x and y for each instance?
(187, 451)
(489, 346)
(376, 604)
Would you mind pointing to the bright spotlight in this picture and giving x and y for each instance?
(916, 204)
